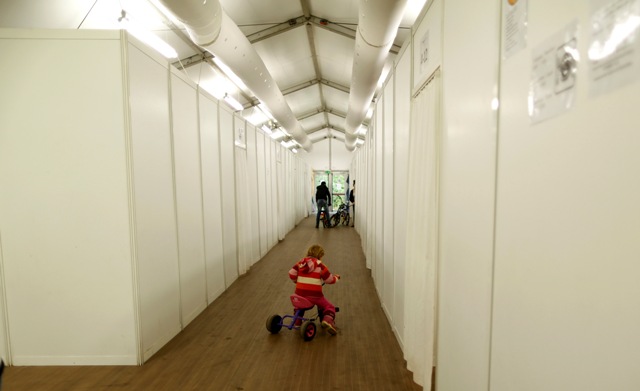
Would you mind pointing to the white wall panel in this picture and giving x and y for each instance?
(188, 185)
(252, 177)
(328, 153)
(154, 201)
(379, 232)
(64, 204)
(402, 110)
(272, 207)
(467, 192)
(261, 193)
(227, 178)
(566, 294)
(212, 202)
(275, 210)
(280, 196)
(243, 211)
(387, 194)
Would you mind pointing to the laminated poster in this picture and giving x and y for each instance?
(614, 50)
(514, 20)
(240, 138)
(553, 75)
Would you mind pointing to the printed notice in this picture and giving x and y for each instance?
(514, 20)
(553, 75)
(614, 52)
(424, 52)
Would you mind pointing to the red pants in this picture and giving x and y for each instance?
(323, 304)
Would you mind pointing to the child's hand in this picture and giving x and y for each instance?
(337, 276)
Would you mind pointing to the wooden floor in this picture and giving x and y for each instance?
(228, 347)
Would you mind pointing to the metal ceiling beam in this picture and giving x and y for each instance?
(306, 20)
(277, 29)
(337, 86)
(313, 82)
(306, 10)
(320, 111)
(330, 127)
(343, 30)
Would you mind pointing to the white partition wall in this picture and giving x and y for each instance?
(188, 185)
(566, 291)
(467, 193)
(118, 212)
(252, 189)
(388, 203)
(261, 193)
(402, 112)
(64, 204)
(228, 182)
(154, 200)
(211, 195)
(274, 204)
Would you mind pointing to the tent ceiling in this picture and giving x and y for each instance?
(307, 46)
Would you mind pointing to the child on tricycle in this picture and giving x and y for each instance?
(309, 274)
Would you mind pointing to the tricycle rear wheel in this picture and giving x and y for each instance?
(308, 330)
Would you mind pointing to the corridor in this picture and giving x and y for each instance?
(227, 347)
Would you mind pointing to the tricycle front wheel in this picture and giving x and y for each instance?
(274, 324)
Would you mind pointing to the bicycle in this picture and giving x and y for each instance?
(326, 221)
(342, 215)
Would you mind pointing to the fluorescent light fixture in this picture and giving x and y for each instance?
(234, 104)
(369, 112)
(383, 76)
(266, 129)
(294, 150)
(266, 112)
(277, 133)
(359, 141)
(147, 37)
(255, 116)
(229, 73)
(362, 130)
(288, 144)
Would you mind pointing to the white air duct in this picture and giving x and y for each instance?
(378, 24)
(212, 29)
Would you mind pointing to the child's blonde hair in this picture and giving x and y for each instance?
(315, 251)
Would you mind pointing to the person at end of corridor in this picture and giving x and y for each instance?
(309, 275)
(323, 201)
(352, 200)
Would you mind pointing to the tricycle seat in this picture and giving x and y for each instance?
(300, 302)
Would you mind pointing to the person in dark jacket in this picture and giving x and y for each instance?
(323, 201)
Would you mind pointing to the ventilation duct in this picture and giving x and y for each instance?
(378, 24)
(211, 28)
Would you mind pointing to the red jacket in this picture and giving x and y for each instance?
(309, 275)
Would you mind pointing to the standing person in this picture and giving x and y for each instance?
(310, 274)
(352, 200)
(323, 201)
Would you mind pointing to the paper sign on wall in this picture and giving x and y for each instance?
(240, 140)
(514, 20)
(424, 52)
(614, 51)
(553, 75)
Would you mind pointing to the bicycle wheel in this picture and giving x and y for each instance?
(335, 220)
(346, 219)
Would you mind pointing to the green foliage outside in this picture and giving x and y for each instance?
(337, 185)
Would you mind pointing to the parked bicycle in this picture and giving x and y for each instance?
(342, 214)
